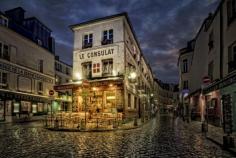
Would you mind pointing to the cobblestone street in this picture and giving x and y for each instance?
(161, 137)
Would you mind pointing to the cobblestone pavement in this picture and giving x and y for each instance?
(161, 137)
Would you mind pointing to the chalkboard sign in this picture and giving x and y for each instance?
(227, 113)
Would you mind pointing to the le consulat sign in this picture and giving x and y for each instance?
(101, 52)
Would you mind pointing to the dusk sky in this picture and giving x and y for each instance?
(162, 26)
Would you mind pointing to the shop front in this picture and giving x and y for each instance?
(104, 98)
(16, 106)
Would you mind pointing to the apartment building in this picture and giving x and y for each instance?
(26, 66)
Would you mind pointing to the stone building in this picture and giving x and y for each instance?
(26, 66)
(110, 73)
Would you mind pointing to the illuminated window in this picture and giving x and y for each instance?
(16, 107)
(96, 68)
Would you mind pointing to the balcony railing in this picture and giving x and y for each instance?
(107, 41)
(87, 45)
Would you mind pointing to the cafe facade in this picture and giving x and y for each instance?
(110, 74)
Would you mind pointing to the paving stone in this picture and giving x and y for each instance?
(162, 137)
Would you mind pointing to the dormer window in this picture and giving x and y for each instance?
(88, 41)
(107, 37)
(3, 21)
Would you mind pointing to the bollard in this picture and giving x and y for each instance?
(56, 124)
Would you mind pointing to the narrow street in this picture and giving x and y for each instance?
(161, 137)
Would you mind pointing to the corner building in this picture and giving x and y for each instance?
(110, 74)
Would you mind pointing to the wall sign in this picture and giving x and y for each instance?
(24, 72)
(108, 51)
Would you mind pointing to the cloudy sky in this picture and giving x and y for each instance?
(162, 26)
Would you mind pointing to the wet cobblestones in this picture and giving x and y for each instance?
(162, 137)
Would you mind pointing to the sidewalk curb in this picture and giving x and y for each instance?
(231, 150)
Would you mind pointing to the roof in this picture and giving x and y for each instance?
(98, 19)
(17, 8)
(34, 18)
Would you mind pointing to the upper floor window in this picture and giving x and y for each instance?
(210, 69)
(107, 37)
(107, 67)
(211, 41)
(4, 51)
(40, 65)
(67, 71)
(185, 65)
(88, 40)
(87, 70)
(58, 67)
(3, 79)
(231, 10)
(185, 84)
(232, 58)
(3, 21)
(40, 87)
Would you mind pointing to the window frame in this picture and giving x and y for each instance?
(109, 72)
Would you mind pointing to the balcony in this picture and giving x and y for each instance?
(107, 41)
(231, 66)
(87, 45)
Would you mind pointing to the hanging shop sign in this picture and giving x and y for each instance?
(227, 113)
(107, 51)
(24, 72)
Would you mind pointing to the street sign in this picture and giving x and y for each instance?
(51, 92)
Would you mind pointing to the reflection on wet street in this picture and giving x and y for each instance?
(161, 137)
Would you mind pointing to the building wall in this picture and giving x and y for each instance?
(97, 30)
(26, 54)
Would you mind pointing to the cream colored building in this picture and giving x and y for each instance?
(26, 75)
(108, 58)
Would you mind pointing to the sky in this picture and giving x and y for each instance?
(161, 26)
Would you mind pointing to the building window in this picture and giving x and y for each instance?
(88, 41)
(211, 41)
(107, 37)
(107, 67)
(4, 51)
(67, 71)
(3, 21)
(211, 69)
(3, 80)
(87, 70)
(232, 58)
(185, 84)
(129, 100)
(40, 87)
(40, 65)
(58, 79)
(96, 68)
(185, 65)
(58, 67)
(231, 10)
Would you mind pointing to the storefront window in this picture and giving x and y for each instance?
(16, 107)
(1, 110)
(40, 107)
(34, 108)
(25, 106)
